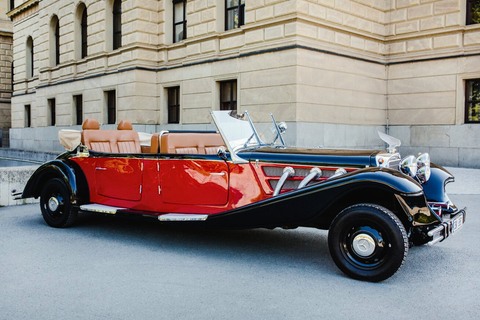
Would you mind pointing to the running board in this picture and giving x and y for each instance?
(183, 217)
(94, 207)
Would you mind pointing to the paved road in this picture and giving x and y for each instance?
(111, 268)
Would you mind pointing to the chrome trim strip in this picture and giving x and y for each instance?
(183, 217)
(95, 207)
(217, 173)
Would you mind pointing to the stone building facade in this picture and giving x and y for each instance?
(6, 56)
(336, 70)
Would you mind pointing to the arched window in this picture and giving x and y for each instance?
(117, 24)
(83, 32)
(54, 41)
(29, 58)
(57, 43)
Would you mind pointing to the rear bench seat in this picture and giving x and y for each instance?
(190, 143)
(123, 140)
(126, 140)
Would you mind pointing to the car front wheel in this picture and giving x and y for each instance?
(368, 242)
(55, 204)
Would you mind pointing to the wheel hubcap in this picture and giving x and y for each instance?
(53, 204)
(363, 245)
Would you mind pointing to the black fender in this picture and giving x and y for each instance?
(67, 171)
(317, 204)
(434, 188)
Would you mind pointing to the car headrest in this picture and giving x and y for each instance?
(125, 125)
(90, 124)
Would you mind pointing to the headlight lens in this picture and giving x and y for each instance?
(409, 166)
(423, 164)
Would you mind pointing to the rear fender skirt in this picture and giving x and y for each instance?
(65, 170)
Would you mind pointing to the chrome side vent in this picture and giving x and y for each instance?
(299, 172)
(314, 173)
(287, 173)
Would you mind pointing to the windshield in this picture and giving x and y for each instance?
(240, 132)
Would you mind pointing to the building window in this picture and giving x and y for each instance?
(12, 4)
(54, 55)
(29, 58)
(473, 11)
(57, 43)
(117, 24)
(51, 112)
(111, 107)
(12, 72)
(228, 95)
(179, 20)
(472, 101)
(173, 104)
(234, 14)
(28, 116)
(78, 100)
(83, 32)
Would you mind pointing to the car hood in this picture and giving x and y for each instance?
(317, 156)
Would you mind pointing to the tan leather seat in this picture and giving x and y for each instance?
(90, 124)
(190, 143)
(124, 125)
(155, 143)
(110, 141)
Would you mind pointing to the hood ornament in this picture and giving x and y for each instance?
(392, 142)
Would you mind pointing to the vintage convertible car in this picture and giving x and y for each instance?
(374, 203)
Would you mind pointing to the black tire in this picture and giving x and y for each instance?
(55, 204)
(368, 242)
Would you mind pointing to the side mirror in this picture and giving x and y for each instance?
(222, 153)
(282, 127)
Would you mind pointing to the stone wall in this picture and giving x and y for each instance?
(6, 54)
(14, 178)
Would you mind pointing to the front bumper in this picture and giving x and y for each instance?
(448, 227)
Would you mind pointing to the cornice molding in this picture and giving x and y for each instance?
(21, 8)
(6, 33)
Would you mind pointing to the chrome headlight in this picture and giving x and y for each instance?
(409, 166)
(423, 167)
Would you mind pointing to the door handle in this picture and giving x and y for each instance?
(100, 168)
(217, 173)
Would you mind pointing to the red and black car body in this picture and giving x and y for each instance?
(374, 204)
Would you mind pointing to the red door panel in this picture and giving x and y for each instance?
(191, 182)
(119, 178)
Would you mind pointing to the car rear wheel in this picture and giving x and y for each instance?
(55, 204)
(368, 242)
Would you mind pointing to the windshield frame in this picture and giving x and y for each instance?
(239, 132)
